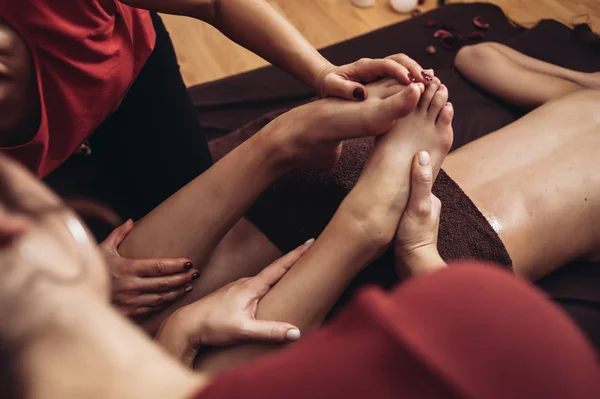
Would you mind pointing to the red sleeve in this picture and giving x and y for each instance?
(465, 332)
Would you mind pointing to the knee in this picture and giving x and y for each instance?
(475, 55)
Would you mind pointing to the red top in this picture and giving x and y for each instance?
(86, 55)
(473, 332)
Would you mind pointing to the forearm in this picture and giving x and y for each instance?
(308, 291)
(193, 221)
(255, 25)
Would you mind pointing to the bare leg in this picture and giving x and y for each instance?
(589, 80)
(363, 226)
(184, 224)
(517, 78)
(536, 180)
(243, 252)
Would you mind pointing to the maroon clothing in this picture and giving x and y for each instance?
(465, 332)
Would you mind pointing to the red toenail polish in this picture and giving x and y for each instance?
(411, 77)
(359, 94)
(426, 76)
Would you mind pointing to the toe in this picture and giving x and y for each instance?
(440, 98)
(446, 115)
(427, 96)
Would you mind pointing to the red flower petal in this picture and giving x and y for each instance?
(480, 23)
(441, 33)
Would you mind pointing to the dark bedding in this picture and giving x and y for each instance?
(226, 105)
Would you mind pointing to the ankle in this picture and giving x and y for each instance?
(420, 262)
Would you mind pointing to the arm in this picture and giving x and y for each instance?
(255, 25)
(352, 239)
(210, 205)
(361, 229)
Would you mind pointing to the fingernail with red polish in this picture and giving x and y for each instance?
(195, 276)
(359, 93)
(411, 77)
(188, 266)
(426, 76)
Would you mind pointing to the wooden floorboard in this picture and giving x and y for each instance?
(205, 54)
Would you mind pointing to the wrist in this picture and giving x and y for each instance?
(319, 71)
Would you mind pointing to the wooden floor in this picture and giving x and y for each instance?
(205, 54)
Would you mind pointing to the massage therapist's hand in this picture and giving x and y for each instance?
(346, 81)
(228, 315)
(142, 286)
(415, 246)
(311, 135)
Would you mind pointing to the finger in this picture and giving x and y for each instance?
(377, 117)
(273, 331)
(117, 236)
(160, 300)
(419, 202)
(367, 70)
(166, 283)
(337, 86)
(395, 107)
(275, 271)
(412, 67)
(161, 267)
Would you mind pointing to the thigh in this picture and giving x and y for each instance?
(153, 144)
(537, 183)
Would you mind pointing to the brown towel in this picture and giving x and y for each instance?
(299, 206)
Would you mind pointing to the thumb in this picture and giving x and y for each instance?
(273, 331)
(401, 104)
(337, 86)
(118, 235)
(419, 202)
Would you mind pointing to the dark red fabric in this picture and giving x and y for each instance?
(471, 331)
(86, 56)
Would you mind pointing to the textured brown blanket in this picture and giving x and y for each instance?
(300, 206)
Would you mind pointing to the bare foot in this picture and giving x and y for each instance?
(427, 128)
(381, 194)
(312, 134)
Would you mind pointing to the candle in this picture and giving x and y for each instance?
(363, 3)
